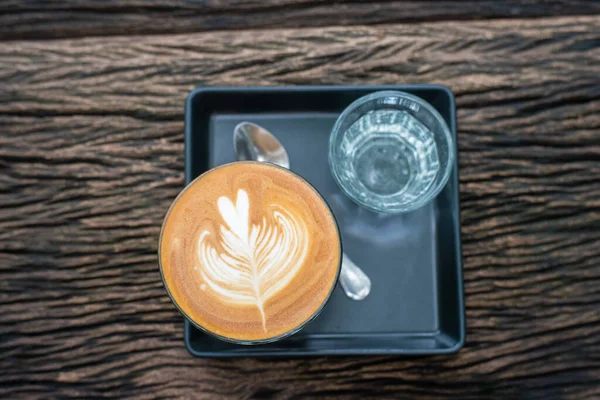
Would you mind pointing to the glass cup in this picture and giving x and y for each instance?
(391, 152)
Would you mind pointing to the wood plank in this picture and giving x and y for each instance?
(91, 154)
(41, 19)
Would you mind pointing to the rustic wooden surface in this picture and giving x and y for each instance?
(43, 19)
(91, 154)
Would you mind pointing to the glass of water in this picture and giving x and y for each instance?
(391, 152)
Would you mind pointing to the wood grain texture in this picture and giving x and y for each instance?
(91, 154)
(43, 19)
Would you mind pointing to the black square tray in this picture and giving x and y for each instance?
(414, 260)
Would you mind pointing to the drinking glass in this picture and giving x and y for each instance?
(391, 152)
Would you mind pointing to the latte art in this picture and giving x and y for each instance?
(257, 261)
(249, 252)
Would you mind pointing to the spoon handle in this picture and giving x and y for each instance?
(354, 281)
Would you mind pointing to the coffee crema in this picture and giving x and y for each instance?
(249, 251)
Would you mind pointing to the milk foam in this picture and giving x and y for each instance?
(254, 262)
(249, 251)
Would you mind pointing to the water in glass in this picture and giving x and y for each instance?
(387, 155)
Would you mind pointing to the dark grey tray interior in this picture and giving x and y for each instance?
(414, 260)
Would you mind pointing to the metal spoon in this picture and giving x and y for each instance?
(253, 142)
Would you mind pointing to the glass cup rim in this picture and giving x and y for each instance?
(258, 341)
(336, 131)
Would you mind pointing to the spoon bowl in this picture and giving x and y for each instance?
(253, 142)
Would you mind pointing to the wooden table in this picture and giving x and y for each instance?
(91, 155)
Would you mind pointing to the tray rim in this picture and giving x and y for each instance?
(255, 351)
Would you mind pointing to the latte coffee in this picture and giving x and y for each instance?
(249, 252)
